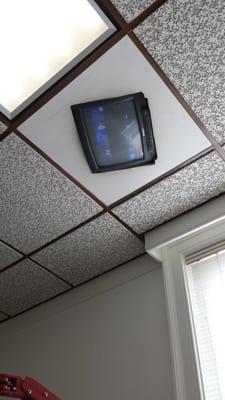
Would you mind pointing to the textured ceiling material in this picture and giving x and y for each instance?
(188, 188)
(2, 317)
(26, 284)
(186, 38)
(7, 255)
(38, 203)
(91, 250)
(130, 9)
(52, 128)
(3, 127)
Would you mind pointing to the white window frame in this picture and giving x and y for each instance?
(170, 243)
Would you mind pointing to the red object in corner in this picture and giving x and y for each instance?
(24, 388)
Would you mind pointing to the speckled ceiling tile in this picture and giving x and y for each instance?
(130, 9)
(188, 188)
(3, 127)
(186, 38)
(2, 316)
(87, 252)
(7, 255)
(38, 203)
(25, 285)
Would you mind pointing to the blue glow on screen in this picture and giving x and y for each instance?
(114, 133)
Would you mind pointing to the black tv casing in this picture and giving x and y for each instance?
(145, 126)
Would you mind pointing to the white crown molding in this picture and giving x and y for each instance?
(179, 228)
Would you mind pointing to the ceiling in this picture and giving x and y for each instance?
(61, 225)
(45, 55)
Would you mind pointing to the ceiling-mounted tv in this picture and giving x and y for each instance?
(116, 133)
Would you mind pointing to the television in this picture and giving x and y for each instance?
(116, 133)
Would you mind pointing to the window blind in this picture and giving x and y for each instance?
(206, 280)
(203, 253)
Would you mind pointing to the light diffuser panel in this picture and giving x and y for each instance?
(44, 40)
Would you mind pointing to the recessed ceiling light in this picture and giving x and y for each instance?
(43, 41)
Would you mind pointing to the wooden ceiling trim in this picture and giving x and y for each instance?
(177, 94)
(71, 288)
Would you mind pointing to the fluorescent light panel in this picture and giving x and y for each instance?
(43, 41)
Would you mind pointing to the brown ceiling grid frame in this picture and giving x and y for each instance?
(160, 178)
(8, 317)
(66, 79)
(109, 7)
(124, 29)
(80, 186)
(104, 207)
(5, 120)
(27, 257)
(5, 125)
(176, 93)
(105, 210)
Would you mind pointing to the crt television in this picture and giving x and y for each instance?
(116, 133)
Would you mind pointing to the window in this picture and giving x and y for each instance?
(206, 282)
(191, 249)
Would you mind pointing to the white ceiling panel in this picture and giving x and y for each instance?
(177, 137)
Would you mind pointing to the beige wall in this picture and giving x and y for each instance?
(107, 340)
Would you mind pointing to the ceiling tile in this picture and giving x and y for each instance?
(91, 250)
(25, 285)
(130, 9)
(186, 38)
(53, 130)
(2, 316)
(38, 203)
(3, 127)
(172, 196)
(68, 34)
(7, 255)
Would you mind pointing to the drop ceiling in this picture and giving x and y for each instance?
(46, 41)
(61, 225)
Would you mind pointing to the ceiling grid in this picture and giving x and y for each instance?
(186, 38)
(3, 127)
(55, 233)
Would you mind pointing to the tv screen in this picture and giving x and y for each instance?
(116, 133)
